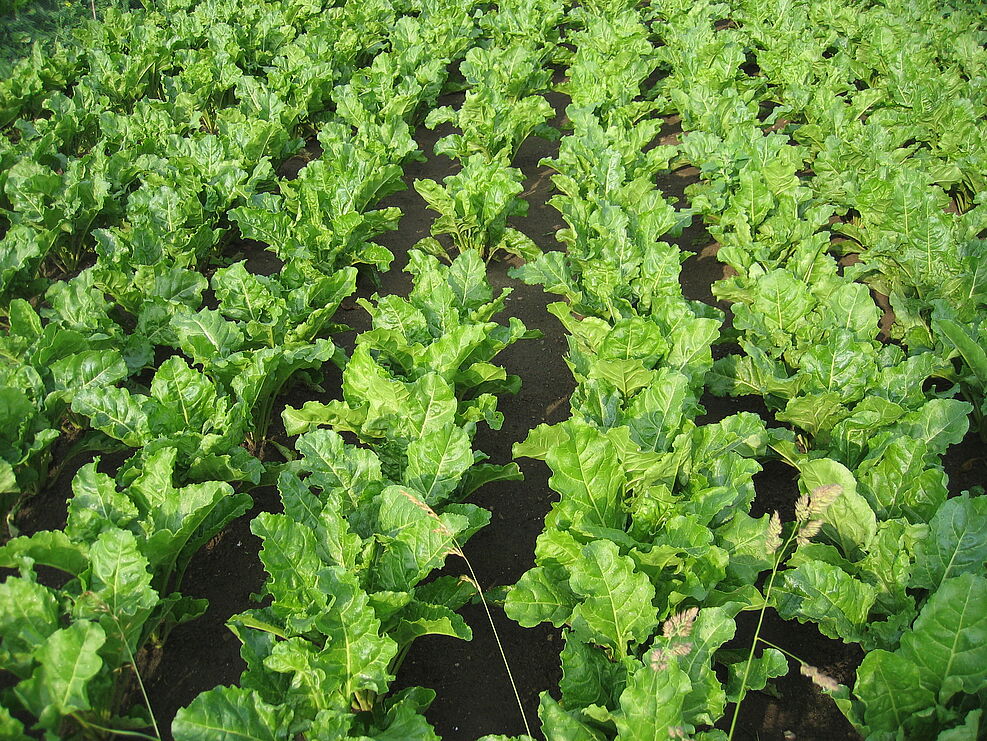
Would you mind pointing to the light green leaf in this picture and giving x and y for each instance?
(68, 659)
(116, 412)
(849, 520)
(890, 688)
(97, 505)
(948, 641)
(355, 643)
(828, 596)
(542, 594)
(437, 461)
(956, 543)
(562, 725)
(652, 704)
(187, 400)
(616, 608)
(769, 665)
(90, 369)
(231, 714)
(589, 677)
(585, 471)
(28, 616)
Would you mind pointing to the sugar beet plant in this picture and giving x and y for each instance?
(199, 419)
(841, 159)
(121, 557)
(502, 107)
(364, 525)
(135, 184)
(870, 575)
(651, 551)
(864, 413)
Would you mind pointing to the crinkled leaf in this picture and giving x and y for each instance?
(231, 714)
(616, 609)
(828, 596)
(651, 704)
(68, 659)
(542, 594)
(956, 542)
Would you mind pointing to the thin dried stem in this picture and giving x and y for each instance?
(458, 551)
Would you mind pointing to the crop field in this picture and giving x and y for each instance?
(418, 369)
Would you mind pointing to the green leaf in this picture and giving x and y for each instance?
(973, 354)
(589, 677)
(187, 399)
(938, 424)
(585, 471)
(467, 276)
(11, 728)
(420, 619)
(68, 659)
(900, 483)
(242, 295)
(28, 616)
(814, 413)
(706, 700)
(292, 564)
(404, 719)
(616, 609)
(769, 665)
(97, 505)
(437, 461)
(48, 547)
(417, 539)
(229, 714)
(91, 369)
(340, 470)
(889, 686)
(828, 596)
(562, 725)
(652, 704)
(206, 336)
(116, 412)
(120, 596)
(745, 538)
(119, 574)
(361, 655)
(542, 594)
(956, 543)
(432, 404)
(948, 641)
(655, 415)
(849, 520)
(487, 473)
(780, 304)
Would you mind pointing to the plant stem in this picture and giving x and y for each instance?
(137, 673)
(789, 654)
(476, 585)
(112, 731)
(500, 646)
(757, 635)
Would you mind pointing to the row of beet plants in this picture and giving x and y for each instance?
(651, 551)
(116, 198)
(365, 524)
(370, 516)
(504, 104)
(898, 568)
(136, 317)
